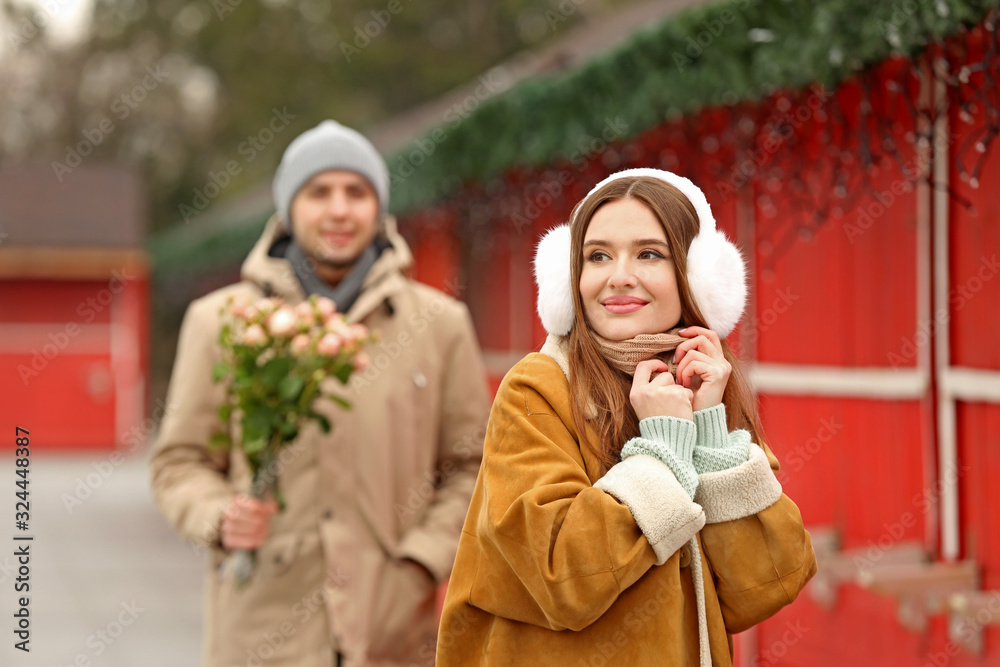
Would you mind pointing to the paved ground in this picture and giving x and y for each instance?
(111, 585)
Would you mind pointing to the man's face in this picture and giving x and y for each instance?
(334, 218)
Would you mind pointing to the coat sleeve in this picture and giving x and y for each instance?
(463, 411)
(758, 550)
(190, 482)
(554, 550)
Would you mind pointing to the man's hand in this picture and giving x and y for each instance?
(244, 523)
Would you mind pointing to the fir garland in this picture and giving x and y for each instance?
(723, 54)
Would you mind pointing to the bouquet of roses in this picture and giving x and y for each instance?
(275, 357)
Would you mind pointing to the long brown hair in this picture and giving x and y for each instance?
(602, 391)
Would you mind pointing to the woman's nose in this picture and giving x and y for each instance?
(623, 275)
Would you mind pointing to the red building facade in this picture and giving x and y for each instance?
(868, 215)
(74, 304)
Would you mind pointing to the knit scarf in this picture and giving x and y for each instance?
(626, 354)
(347, 290)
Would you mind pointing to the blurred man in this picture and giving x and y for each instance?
(347, 573)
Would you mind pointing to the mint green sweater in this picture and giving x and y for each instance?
(691, 448)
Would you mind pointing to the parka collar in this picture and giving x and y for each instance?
(274, 275)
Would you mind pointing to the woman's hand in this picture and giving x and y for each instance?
(244, 523)
(659, 396)
(702, 367)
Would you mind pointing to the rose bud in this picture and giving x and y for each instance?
(282, 322)
(326, 307)
(254, 335)
(300, 344)
(240, 306)
(329, 345)
(337, 325)
(305, 314)
(360, 361)
(265, 306)
(357, 332)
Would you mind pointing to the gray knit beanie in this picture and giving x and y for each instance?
(329, 145)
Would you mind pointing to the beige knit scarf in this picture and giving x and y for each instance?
(626, 354)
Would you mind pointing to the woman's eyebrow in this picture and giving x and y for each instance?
(639, 242)
(635, 243)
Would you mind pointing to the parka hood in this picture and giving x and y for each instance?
(267, 267)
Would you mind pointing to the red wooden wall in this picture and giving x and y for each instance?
(854, 392)
(73, 353)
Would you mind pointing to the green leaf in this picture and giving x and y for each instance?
(274, 371)
(323, 422)
(220, 371)
(343, 373)
(220, 441)
(342, 402)
(257, 426)
(225, 412)
(279, 497)
(290, 387)
(254, 445)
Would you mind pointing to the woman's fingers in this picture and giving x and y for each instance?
(659, 395)
(699, 338)
(706, 367)
(693, 331)
(645, 369)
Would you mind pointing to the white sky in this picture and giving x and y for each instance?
(67, 18)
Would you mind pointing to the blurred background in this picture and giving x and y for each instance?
(848, 146)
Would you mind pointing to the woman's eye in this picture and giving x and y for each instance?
(598, 256)
(650, 254)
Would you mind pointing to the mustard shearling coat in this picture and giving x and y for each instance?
(561, 565)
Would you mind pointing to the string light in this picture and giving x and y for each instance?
(811, 163)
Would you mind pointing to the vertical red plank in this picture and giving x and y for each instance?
(974, 261)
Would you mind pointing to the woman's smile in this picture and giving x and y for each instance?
(623, 305)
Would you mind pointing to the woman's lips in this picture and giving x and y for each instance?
(622, 305)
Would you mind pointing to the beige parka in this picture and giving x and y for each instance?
(392, 481)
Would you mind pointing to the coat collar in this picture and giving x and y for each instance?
(274, 275)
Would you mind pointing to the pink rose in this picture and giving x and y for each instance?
(337, 325)
(329, 345)
(300, 344)
(240, 306)
(357, 332)
(304, 313)
(361, 361)
(268, 306)
(282, 322)
(326, 308)
(254, 335)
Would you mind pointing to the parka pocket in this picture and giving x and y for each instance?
(275, 556)
(403, 626)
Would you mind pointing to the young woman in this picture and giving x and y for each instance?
(626, 511)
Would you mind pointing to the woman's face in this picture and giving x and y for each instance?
(627, 282)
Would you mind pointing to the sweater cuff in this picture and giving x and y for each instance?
(677, 434)
(738, 492)
(660, 506)
(711, 426)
